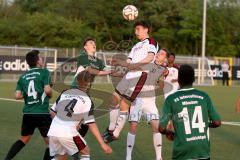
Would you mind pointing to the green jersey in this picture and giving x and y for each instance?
(31, 84)
(84, 61)
(190, 110)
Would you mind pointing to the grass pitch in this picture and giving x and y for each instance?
(225, 141)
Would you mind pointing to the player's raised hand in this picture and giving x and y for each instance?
(106, 148)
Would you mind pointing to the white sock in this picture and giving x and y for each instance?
(130, 145)
(157, 141)
(123, 116)
(85, 157)
(113, 117)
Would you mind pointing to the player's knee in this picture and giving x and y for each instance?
(133, 128)
(115, 99)
(154, 125)
(85, 151)
(25, 139)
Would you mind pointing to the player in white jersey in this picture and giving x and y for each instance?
(171, 79)
(141, 55)
(145, 105)
(72, 108)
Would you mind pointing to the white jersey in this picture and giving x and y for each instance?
(141, 51)
(169, 86)
(72, 107)
(153, 77)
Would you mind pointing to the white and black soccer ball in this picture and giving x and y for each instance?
(130, 12)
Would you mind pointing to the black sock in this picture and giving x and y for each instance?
(47, 155)
(16, 147)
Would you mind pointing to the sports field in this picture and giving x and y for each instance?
(225, 141)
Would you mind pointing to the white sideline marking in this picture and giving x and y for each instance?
(14, 100)
(231, 123)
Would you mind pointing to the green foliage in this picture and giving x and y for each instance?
(177, 24)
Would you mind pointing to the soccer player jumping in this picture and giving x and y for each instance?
(139, 63)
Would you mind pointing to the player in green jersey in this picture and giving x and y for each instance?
(34, 87)
(192, 113)
(87, 61)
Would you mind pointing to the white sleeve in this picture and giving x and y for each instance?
(151, 48)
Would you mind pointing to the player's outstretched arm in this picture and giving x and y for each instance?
(146, 60)
(215, 124)
(18, 95)
(94, 129)
(97, 72)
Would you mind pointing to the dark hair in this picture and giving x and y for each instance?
(85, 76)
(172, 54)
(167, 51)
(88, 39)
(143, 23)
(186, 75)
(32, 58)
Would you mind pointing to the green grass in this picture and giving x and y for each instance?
(225, 141)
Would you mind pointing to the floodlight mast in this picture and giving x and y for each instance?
(204, 39)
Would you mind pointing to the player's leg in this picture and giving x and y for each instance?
(157, 139)
(85, 154)
(56, 149)
(122, 118)
(26, 132)
(114, 110)
(120, 90)
(134, 118)
(152, 116)
(61, 157)
(129, 90)
(81, 145)
(44, 122)
(131, 139)
(113, 115)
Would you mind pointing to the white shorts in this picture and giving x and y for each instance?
(131, 85)
(143, 106)
(66, 145)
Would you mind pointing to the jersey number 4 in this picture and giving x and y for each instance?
(69, 107)
(197, 120)
(31, 90)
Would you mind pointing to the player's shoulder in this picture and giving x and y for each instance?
(193, 91)
(152, 41)
(176, 66)
(82, 54)
(44, 70)
(201, 93)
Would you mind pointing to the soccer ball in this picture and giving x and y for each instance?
(130, 12)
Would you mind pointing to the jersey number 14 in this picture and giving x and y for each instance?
(197, 120)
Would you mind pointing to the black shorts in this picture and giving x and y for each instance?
(32, 121)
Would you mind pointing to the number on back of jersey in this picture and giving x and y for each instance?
(69, 107)
(31, 90)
